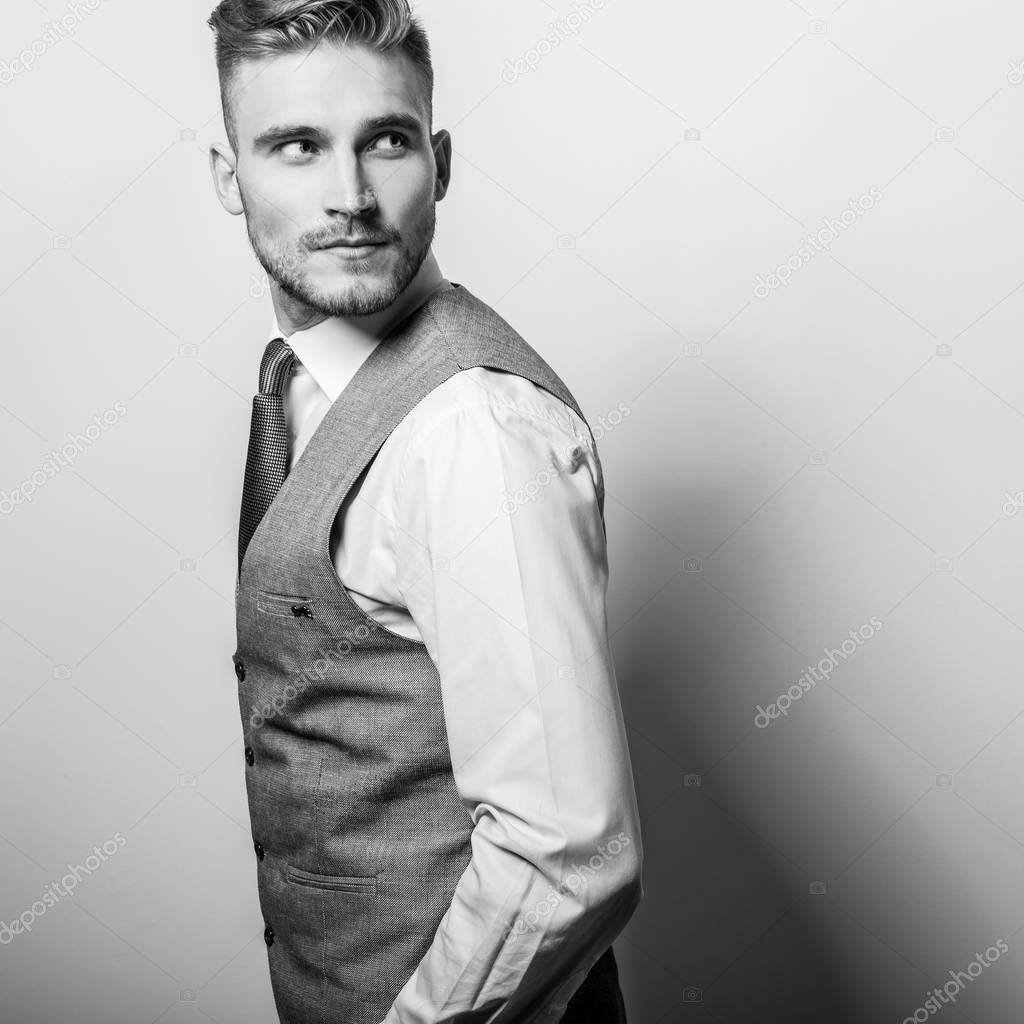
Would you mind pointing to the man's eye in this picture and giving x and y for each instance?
(298, 148)
(392, 137)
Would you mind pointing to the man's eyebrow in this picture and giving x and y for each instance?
(283, 132)
(393, 119)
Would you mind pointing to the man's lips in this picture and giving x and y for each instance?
(352, 244)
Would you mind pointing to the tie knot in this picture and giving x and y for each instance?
(277, 363)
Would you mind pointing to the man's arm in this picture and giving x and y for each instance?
(508, 591)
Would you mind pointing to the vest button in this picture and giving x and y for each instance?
(240, 670)
(268, 935)
(250, 756)
(301, 609)
(258, 847)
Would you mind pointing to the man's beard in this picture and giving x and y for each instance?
(355, 295)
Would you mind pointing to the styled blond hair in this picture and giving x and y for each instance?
(249, 29)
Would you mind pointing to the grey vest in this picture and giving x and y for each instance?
(360, 835)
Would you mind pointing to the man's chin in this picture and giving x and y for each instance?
(329, 275)
(365, 295)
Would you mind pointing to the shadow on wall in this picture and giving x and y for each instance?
(733, 926)
(720, 936)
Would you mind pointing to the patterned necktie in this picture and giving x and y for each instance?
(267, 463)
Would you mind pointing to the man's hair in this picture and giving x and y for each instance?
(249, 29)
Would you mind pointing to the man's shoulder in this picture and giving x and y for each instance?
(463, 318)
(482, 393)
(474, 334)
(482, 424)
(488, 381)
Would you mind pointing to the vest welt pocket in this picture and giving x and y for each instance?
(291, 605)
(337, 883)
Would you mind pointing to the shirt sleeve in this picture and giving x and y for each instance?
(502, 564)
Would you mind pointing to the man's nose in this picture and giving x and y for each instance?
(348, 191)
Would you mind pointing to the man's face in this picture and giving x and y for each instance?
(334, 147)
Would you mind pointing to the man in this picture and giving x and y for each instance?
(439, 785)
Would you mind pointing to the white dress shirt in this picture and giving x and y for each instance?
(476, 530)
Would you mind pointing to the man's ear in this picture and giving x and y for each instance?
(442, 143)
(223, 167)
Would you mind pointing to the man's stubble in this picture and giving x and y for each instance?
(354, 297)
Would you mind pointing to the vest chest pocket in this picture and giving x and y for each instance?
(287, 605)
(335, 883)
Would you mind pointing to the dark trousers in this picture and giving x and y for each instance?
(599, 999)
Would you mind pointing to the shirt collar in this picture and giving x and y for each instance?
(333, 350)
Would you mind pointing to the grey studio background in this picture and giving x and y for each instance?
(795, 458)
